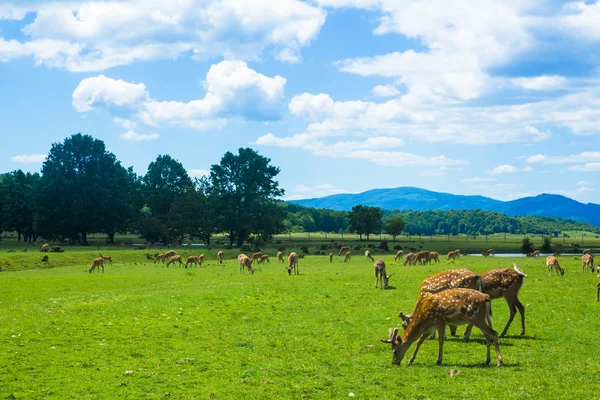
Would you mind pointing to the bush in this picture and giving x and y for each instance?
(324, 247)
(547, 246)
(57, 249)
(319, 253)
(371, 246)
(281, 248)
(397, 247)
(304, 249)
(384, 246)
(246, 247)
(358, 247)
(527, 246)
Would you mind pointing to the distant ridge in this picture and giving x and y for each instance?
(403, 198)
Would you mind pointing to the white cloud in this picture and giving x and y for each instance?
(478, 180)
(386, 91)
(544, 82)
(584, 183)
(582, 19)
(92, 37)
(30, 158)
(502, 169)
(587, 167)
(306, 192)
(232, 89)
(586, 156)
(536, 158)
(528, 168)
(198, 173)
(584, 189)
(139, 137)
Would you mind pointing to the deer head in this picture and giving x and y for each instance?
(385, 280)
(405, 320)
(398, 350)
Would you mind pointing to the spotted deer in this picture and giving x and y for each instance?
(368, 255)
(453, 306)
(398, 255)
(552, 262)
(175, 259)
(490, 252)
(245, 262)
(97, 263)
(587, 261)
(221, 256)
(106, 258)
(348, 257)
(342, 249)
(440, 282)
(504, 282)
(280, 257)
(292, 263)
(381, 276)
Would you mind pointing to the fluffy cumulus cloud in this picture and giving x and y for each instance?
(587, 161)
(232, 90)
(30, 158)
(502, 169)
(89, 35)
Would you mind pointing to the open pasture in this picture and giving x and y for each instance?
(144, 331)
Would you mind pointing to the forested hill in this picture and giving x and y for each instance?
(410, 198)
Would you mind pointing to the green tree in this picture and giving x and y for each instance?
(547, 245)
(166, 181)
(365, 220)
(18, 208)
(245, 192)
(192, 215)
(394, 227)
(83, 188)
(526, 246)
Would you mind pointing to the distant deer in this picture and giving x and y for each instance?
(160, 257)
(342, 249)
(381, 277)
(504, 282)
(422, 257)
(280, 257)
(368, 255)
(410, 259)
(175, 259)
(552, 262)
(191, 260)
(587, 261)
(170, 254)
(587, 251)
(256, 256)
(398, 255)
(535, 253)
(221, 257)
(97, 263)
(452, 255)
(330, 257)
(490, 252)
(292, 263)
(245, 262)
(45, 247)
(106, 258)
(264, 258)
(453, 306)
(434, 256)
(348, 257)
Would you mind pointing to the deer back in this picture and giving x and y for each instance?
(501, 281)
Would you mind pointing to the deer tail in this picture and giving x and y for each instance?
(518, 270)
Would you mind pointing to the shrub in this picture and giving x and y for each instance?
(304, 249)
(319, 253)
(371, 246)
(246, 247)
(57, 249)
(281, 248)
(547, 246)
(527, 246)
(384, 246)
(323, 247)
(357, 247)
(397, 247)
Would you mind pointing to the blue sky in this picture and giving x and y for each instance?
(497, 97)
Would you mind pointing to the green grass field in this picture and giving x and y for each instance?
(142, 331)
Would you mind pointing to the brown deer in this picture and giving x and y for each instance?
(175, 259)
(342, 249)
(368, 255)
(221, 256)
(280, 257)
(97, 263)
(410, 259)
(245, 262)
(504, 282)
(330, 257)
(422, 257)
(587, 261)
(160, 257)
(120, 245)
(170, 254)
(256, 256)
(442, 281)
(106, 258)
(398, 255)
(490, 252)
(453, 306)
(264, 258)
(452, 255)
(434, 256)
(587, 251)
(192, 260)
(535, 253)
(348, 257)
(45, 247)
(292, 263)
(552, 262)
(380, 275)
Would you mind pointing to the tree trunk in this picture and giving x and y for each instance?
(84, 238)
(111, 238)
(18, 236)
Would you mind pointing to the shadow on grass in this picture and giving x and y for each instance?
(390, 288)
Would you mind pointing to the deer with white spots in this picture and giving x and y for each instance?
(368, 255)
(552, 262)
(381, 277)
(504, 282)
(453, 306)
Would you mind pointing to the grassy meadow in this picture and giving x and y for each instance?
(142, 331)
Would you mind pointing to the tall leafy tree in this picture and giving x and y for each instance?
(192, 215)
(394, 227)
(83, 189)
(18, 207)
(166, 181)
(244, 190)
(365, 220)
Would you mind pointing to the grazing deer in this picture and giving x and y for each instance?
(192, 260)
(504, 282)
(106, 258)
(170, 254)
(552, 262)
(245, 262)
(280, 257)
(422, 257)
(490, 252)
(348, 257)
(535, 253)
(410, 259)
(442, 281)
(434, 256)
(120, 245)
(598, 270)
(160, 257)
(598, 292)
(330, 257)
(452, 255)
(380, 275)
(398, 255)
(45, 247)
(97, 263)
(264, 258)
(175, 259)
(453, 306)
(587, 261)
(587, 251)
(256, 256)
(292, 263)
(368, 255)
(201, 259)
(342, 249)
(221, 256)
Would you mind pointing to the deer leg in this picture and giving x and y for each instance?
(419, 343)
(522, 312)
(467, 334)
(442, 337)
(513, 311)
(490, 335)
(452, 329)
